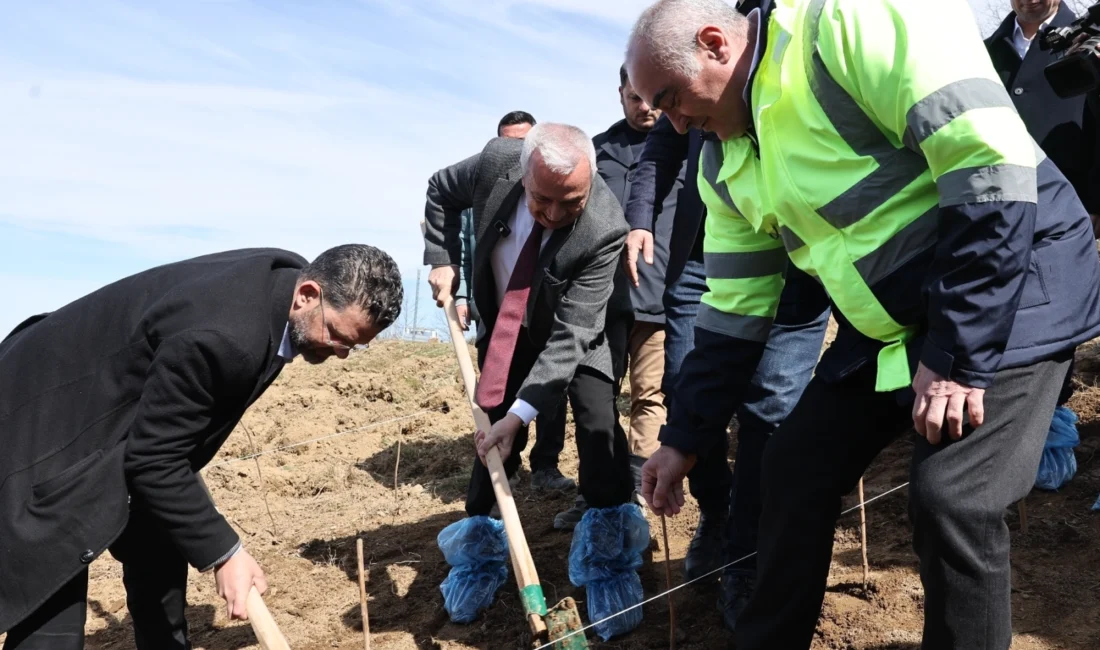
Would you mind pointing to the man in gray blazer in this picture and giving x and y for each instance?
(544, 185)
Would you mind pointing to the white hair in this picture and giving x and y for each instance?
(561, 147)
(667, 32)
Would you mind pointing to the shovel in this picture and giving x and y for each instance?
(546, 625)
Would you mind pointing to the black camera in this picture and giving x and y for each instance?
(1077, 72)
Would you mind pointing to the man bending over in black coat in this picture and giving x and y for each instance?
(111, 405)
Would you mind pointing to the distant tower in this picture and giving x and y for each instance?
(416, 305)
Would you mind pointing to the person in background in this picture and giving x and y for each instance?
(1064, 128)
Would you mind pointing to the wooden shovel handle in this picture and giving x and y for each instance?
(522, 562)
(267, 632)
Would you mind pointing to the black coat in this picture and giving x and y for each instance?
(1064, 128)
(123, 395)
(616, 165)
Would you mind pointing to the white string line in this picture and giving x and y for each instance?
(677, 588)
(334, 435)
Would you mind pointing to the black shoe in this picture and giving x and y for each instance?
(568, 519)
(552, 480)
(705, 552)
(736, 589)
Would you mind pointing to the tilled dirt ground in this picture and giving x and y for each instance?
(300, 510)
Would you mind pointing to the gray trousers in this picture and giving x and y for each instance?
(958, 497)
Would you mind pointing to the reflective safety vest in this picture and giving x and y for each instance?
(868, 121)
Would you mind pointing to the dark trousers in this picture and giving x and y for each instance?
(550, 426)
(958, 497)
(549, 438)
(604, 476)
(155, 576)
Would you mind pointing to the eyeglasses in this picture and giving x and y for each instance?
(335, 345)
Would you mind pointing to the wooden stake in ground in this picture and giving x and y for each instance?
(1023, 516)
(668, 582)
(396, 466)
(863, 535)
(363, 594)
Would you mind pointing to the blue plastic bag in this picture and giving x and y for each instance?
(477, 550)
(604, 558)
(1058, 464)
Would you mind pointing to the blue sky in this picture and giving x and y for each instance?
(138, 133)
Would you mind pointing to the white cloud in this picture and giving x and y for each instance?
(139, 128)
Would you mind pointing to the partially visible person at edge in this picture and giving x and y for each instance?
(661, 200)
(157, 370)
(1064, 128)
(961, 269)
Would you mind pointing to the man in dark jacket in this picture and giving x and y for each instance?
(112, 404)
(1064, 128)
(665, 196)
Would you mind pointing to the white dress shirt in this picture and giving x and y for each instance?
(1020, 42)
(503, 259)
(286, 347)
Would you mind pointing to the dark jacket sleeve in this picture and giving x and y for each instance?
(191, 375)
(975, 283)
(708, 391)
(450, 191)
(718, 371)
(655, 175)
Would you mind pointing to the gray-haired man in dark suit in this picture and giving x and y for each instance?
(540, 194)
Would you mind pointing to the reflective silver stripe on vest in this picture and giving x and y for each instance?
(991, 183)
(791, 241)
(897, 169)
(888, 180)
(941, 107)
(1040, 155)
(736, 266)
(750, 328)
(906, 244)
(710, 157)
(710, 160)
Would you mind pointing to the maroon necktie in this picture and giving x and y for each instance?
(502, 342)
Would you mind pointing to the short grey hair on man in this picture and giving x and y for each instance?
(667, 32)
(561, 146)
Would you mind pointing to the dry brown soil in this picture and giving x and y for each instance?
(324, 494)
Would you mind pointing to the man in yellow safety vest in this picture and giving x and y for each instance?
(893, 171)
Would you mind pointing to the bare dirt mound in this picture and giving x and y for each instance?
(324, 494)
